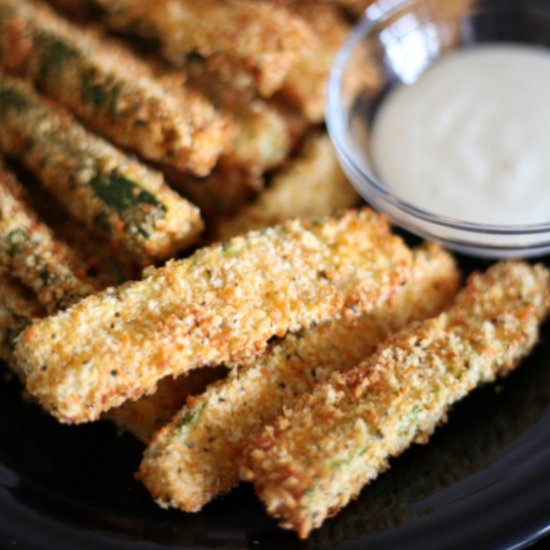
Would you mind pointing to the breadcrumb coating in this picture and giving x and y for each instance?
(219, 306)
(318, 456)
(31, 253)
(197, 456)
(312, 185)
(109, 88)
(98, 184)
(248, 43)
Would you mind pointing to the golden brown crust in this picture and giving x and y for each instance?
(248, 43)
(197, 456)
(220, 305)
(106, 189)
(104, 84)
(315, 458)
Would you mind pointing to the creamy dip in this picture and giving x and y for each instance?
(471, 138)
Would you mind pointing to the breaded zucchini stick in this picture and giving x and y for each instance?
(197, 456)
(107, 190)
(17, 309)
(104, 266)
(319, 456)
(221, 305)
(312, 185)
(305, 84)
(249, 43)
(144, 417)
(31, 253)
(110, 89)
(263, 131)
(264, 134)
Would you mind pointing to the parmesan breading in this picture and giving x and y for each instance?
(31, 253)
(114, 92)
(318, 456)
(109, 191)
(248, 43)
(311, 185)
(197, 456)
(219, 306)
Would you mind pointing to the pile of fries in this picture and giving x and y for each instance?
(279, 334)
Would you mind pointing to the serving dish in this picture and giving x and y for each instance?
(481, 481)
(395, 43)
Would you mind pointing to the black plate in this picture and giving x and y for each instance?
(482, 481)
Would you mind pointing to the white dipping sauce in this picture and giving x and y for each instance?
(471, 138)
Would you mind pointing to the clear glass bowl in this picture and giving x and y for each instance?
(395, 42)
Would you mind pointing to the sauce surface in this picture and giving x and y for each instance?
(471, 138)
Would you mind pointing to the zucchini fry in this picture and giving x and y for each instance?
(30, 252)
(17, 309)
(99, 185)
(197, 456)
(263, 131)
(250, 44)
(102, 265)
(219, 306)
(109, 88)
(305, 84)
(313, 185)
(319, 456)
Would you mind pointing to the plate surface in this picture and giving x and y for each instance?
(481, 481)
